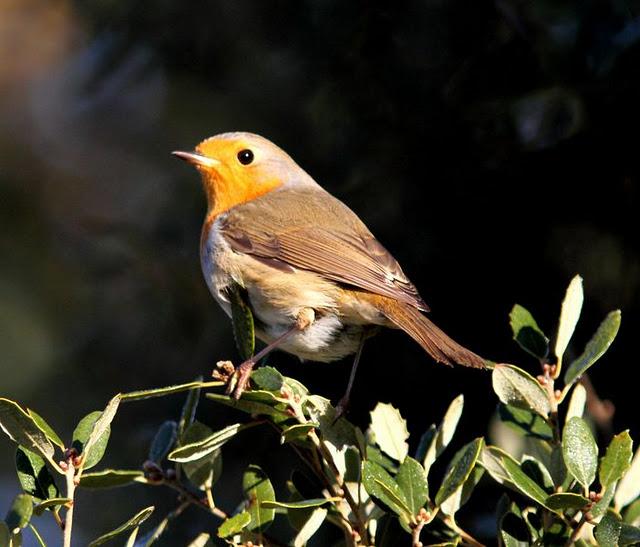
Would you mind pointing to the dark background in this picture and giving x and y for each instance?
(491, 146)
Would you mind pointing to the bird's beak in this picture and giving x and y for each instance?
(196, 159)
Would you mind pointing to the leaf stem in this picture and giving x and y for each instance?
(576, 531)
(71, 489)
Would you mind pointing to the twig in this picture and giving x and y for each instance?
(576, 531)
(71, 488)
(195, 500)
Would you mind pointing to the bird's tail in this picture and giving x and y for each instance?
(433, 340)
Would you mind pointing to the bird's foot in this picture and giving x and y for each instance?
(341, 408)
(239, 380)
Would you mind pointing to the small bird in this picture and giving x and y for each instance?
(315, 278)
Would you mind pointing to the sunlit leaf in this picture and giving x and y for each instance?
(310, 527)
(53, 502)
(234, 525)
(91, 436)
(607, 533)
(46, 428)
(459, 469)
(617, 459)
(566, 500)
(527, 333)
(629, 486)
(199, 449)
(22, 429)
(595, 348)
(19, 513)
(569, 315)
(245, 405)
(383, 488)
(436, 440)
(523, 482)
(110, 478)
(456, 500)
(577, 402)
(267, 378)
(302, 504)
(580, 451)
(168, 390)
(518, 388)
(258, 489)
(133, 522)
(390, 431)
(34, 476)
(412, 480)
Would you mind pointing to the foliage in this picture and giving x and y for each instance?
(559, 486)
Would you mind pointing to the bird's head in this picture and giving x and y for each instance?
(239, 167)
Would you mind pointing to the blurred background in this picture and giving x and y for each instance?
(492, 146)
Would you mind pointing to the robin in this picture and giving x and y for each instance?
(315, 278)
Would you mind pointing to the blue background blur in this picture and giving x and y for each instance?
(491, 146)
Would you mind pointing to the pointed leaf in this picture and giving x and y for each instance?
(525, 422)
(566, 500)
(91, 436)
(250, 407)
(258, 489)
(390, 430)
(412, 480)
(169, 390)
(22, 429)
(110, 478)
(188, 413)
(242, 320)
(444, 433)
(451, 505)
(538, 472)
(205, 471)
(523, 482)
(46, 428)
(131, 540)
(607, 533)
(459, 469)
(297, 432)
(201, 540)
(617, 459)
(527, 333)
(580, 451)
(629, 535)
(199, 449)
(491, 458)
(53, 502)
(301, 504)
(268, 378)
(569, 315)
(518, 388)
(34, 476)
(595, 348)
(601, 507)
(163, 441)
(632, 513)
(629, 486)
(234, 525)
(19, 513)
(133, 522)
(381, 486)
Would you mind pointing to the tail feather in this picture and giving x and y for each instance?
(433, 340)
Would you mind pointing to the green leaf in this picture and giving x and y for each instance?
(595, 348)
(91, 435)
(580, 451)
(245, 405)
(34, 476)
(257, 490)
(310, 527)
(437, 441)
(234, 525)
(46, 428)
(19, 513)
(36, 534)
(569, 315)
(22, 429)
(133, 522)
(297, 432)
(242, 319)
(538, 472)
(390, 430)
(53, 502)
(566, 500)
(131, 540)
(523, 482)
(491, 459)
(617, 459)
(201, 540)
(527, 333)
(169, 390)
(601, 507)
(632, 513)
(163, 441)
(451, 505)
(459, 469)
(302, 504)
(629, 487)
(381, 486)
(188, 413)
(200, 449)
(607, 533)
(525, 422)
(518, 388)
(110, 478)
(268, 378)
(412, 480)
(205, 471)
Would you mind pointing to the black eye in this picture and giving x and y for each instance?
(245, 157)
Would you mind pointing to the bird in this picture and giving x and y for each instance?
(315, 278)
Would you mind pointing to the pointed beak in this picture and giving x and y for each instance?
(196, 159)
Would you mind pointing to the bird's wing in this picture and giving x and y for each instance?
(311, 230)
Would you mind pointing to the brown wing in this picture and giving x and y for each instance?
(311, 230)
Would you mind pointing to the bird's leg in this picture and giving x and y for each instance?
(305, 318)
(342, 405)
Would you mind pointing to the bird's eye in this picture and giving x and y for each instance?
(245, 157)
